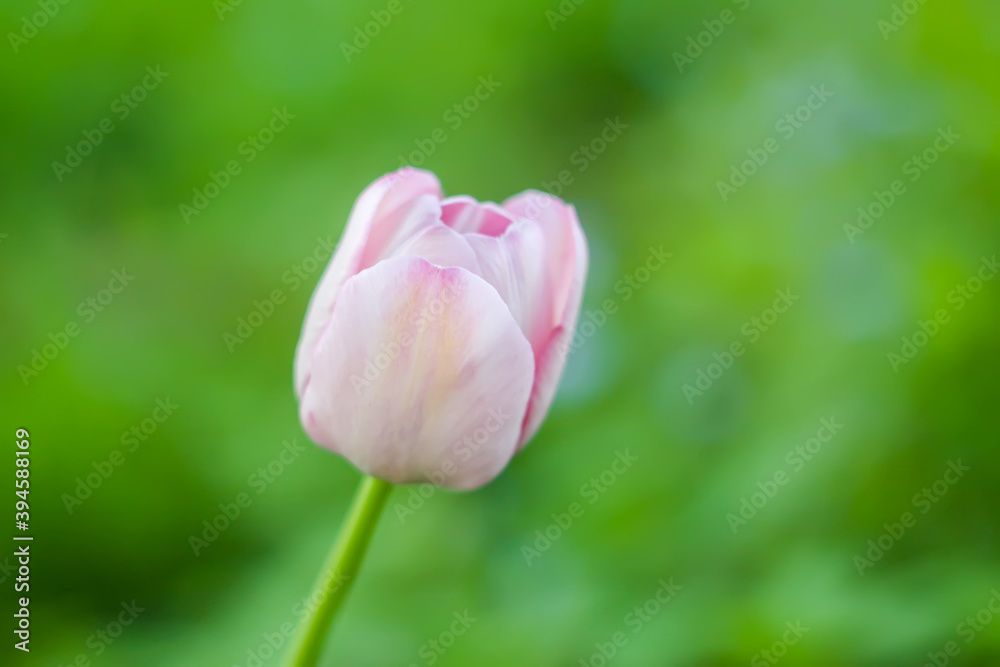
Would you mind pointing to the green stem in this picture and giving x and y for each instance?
(341, 568)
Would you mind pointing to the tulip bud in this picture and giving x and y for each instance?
(436, 338)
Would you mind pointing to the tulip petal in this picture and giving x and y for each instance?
(549, 364)
(395, 228)
(442, 247)
(515, 265)
(561, 228)
(421, 372)
(406, 199)
(532, 264)
(565, 271)
(468, 216)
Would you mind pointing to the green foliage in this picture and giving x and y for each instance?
(780, 306)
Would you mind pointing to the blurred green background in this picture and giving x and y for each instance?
(674, 514)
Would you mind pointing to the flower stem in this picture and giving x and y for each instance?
(341, 568)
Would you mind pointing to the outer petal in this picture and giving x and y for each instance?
(422, 373)
(396, 204)
(532, 264)
(560, 227)
(567, 275)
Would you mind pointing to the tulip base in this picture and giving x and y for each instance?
(341, 568)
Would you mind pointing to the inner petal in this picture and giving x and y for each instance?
(467, 216)
(442, 247)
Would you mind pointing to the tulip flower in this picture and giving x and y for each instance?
(434, 343)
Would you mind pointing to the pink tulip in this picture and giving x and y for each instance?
(436, 338)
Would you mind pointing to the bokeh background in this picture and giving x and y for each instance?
(360, 114)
